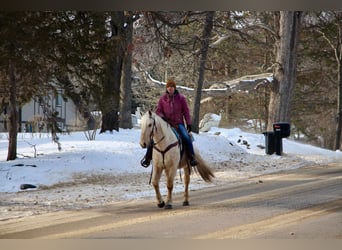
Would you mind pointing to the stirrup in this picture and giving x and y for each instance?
(145, 163)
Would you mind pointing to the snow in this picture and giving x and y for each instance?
(93, 173)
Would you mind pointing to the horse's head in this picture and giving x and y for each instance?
(147, 126)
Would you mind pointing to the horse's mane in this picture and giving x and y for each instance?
(160, 121)
(151, 114)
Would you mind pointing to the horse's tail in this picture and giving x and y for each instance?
(203, 169)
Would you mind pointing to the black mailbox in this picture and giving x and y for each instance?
(273, 139)
(282, 129)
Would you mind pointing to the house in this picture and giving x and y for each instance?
(32, 118)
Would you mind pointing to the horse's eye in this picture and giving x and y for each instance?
(149, 125)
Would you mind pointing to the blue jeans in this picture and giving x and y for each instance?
(186, 138)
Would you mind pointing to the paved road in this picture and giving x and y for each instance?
(305, 203)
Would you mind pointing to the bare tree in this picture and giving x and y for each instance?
(209, 23)
(285, 67)
(333, 37)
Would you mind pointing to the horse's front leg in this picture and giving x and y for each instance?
(155, 182)
(169, 194)
(186, 185)
(170, 176)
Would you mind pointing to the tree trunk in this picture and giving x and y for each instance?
(209, 23)
(285, 68)
(110, 103)
(338, 55)
(126, 80)
(13, 114)
(111, 96)
(339, 104)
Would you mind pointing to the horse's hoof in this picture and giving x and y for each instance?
(161, 205)
(186, 203)
(168, 206)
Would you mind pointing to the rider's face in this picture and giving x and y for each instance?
(171, 90)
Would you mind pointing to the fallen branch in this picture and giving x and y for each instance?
(243, 84)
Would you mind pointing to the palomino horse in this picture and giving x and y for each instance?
(167, 156)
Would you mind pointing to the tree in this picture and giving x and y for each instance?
(93, 58)
(183, 53)
(100, 63)
(241, 44)
(331, 32)
(81, 49)
(24, 64)
(126, 80)
(314, 102)
(13, 113)
(285, 67)
(208, 26)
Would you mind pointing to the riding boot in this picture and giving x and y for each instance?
(193, 161)
(145, 162)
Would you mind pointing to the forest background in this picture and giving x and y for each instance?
(104, 61)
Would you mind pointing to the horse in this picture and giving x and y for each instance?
(167, 156)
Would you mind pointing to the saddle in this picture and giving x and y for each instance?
(184, 148)
(180, 141)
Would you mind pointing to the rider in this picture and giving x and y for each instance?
(173, 108)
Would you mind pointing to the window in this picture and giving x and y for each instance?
(59, 99)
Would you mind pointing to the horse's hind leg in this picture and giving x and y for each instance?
(186, 185)
(155, 182)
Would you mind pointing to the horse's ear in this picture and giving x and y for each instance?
(150, 112)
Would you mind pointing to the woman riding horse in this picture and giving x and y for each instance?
(173, 108)
(167, 157)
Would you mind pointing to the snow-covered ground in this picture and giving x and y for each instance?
(91, 173)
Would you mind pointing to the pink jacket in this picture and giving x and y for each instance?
(174, 109)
